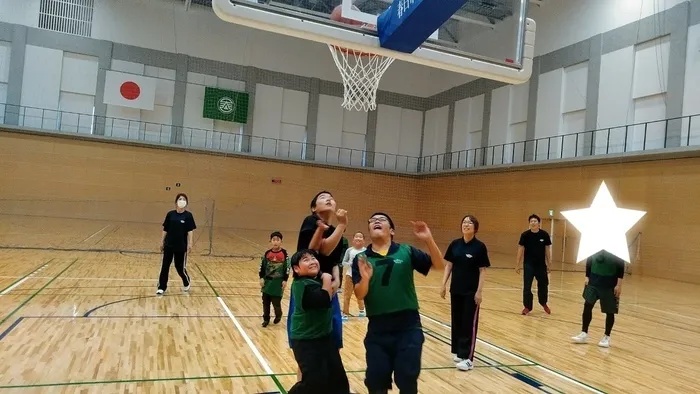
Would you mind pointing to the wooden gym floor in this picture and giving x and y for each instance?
(88, 322)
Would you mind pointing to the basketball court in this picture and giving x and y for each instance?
(96, 312)
(78, 309)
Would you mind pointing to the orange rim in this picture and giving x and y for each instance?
(352, 51)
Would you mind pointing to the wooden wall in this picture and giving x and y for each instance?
(65, 177)
(58, 176)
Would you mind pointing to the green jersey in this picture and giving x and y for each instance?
(391, 288)
(603, 269)
(311, 316)
(274, 268)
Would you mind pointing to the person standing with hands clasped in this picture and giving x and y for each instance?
(176, 243)
(467, 259)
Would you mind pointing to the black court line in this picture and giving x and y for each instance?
(532, 382)
(87, 314)
(536, 364)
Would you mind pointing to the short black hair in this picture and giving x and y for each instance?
(313, 201)
(391, 222)
(358, 232)
(296, 257)
(534, 216)
(182, 195)
(472, 219)
(276, 234)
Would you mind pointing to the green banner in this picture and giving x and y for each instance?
(225, 105)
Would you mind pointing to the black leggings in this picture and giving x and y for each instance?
(588, 316)
(180, 265)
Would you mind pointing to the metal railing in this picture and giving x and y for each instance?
(233, 140)
(674, 132)
(660, 134)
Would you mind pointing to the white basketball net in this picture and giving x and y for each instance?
(361, 72)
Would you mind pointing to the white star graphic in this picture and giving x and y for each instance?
(603, 226)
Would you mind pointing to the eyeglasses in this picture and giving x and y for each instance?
(378, 220)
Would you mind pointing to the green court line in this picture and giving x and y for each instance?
(30, 272)
(216, 377)
(37, 292)
(216, 293)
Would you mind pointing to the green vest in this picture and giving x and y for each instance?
(391, 288)
(604, 264)
(311, 324)
(275, 274)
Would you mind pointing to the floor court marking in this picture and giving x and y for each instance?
(37, 292)
(126, 279)
(97, 232)
(186, 378)
(247, 339)
(24, 278)
(666, 312)
(521, 376)
(537, 365)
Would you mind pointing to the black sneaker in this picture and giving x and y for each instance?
(265, 323)
(277, 319)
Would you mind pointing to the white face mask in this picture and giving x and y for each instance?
(181, 203)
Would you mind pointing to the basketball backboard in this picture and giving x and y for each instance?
(491, 39)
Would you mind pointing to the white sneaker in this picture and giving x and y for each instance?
(605, 342)
(580, 338)
(465, 365)
(186, 288)
(455, 358)
(160, 292)
(361, 313)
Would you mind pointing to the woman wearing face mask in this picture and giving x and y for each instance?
(178, 228)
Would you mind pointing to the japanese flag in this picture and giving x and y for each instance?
(129, 90)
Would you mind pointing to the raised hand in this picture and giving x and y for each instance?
(421, 230)
(326, 278)
(342, 216)
(366, 269)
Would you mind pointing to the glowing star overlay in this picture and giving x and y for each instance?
(603, 226)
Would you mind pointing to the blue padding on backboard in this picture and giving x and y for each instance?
(406, 24)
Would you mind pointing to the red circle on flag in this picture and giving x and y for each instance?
(130, 90)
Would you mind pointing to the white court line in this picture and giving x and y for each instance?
(247, 339)
(99, 231)
(535, 365)
(666, 312)
(9, 289)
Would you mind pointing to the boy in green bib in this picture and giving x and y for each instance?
(273, 273)
(383, 277)
(315, 349)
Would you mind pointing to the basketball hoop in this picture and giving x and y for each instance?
(361, 73)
